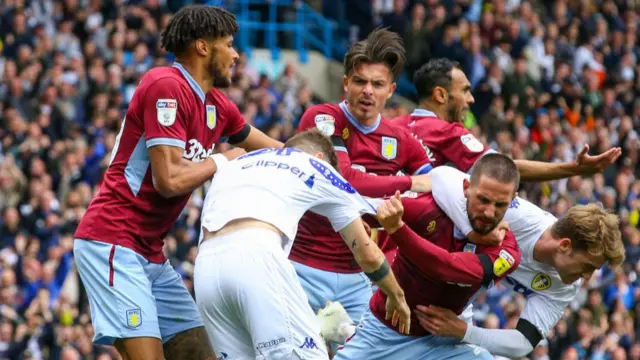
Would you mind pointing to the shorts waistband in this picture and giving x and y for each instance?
(247, 238)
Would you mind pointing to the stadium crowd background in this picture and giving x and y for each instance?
(547, 76)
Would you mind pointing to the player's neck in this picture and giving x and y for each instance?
(544, 248)
(198, 74)
(427, 105)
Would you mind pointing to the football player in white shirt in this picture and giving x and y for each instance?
(557, 256)
(247, 291)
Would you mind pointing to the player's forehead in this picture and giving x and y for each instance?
(371, 72)
(459, 80)
(494, 190)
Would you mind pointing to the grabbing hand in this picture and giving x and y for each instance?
(399, 313)
(234, 153)
(494, 238)
(389, 214)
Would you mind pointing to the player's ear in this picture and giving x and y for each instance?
(515, 195)
(465, 187)
(201, 46)
(319, 155)
(393, 88)
(440, 95)
(345, 82)
(565, 245)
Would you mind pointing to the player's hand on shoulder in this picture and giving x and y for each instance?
(399, 313)
(389, 213)
(494, 238)
(234, 153)
(421, 183)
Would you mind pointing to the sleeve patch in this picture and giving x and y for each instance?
(166, 110)
(326, 123)
(503, 263)
(472, 143)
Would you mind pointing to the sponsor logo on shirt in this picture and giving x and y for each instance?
(389, 147)
(432, 226)
(326, 124)
(541, 282)
(266, 344)
(472, 143)
(166, 110)
(503, 263)
(345, 134)
(469, 248)
(195, 152)
(308, 343)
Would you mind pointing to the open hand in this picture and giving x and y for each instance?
(399, 313)
(589, 165)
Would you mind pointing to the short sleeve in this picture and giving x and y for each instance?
(462, 148)
(339, 201)
(448, 192)
(165, 113)
(323, 118)
(235, 120)
(417, 161)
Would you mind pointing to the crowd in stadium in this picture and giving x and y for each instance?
(547, 77)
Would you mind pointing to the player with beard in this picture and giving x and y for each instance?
(163, 152)
(444, 94)
(435, 265)
(371, 151)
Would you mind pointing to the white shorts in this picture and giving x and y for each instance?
(251, 300)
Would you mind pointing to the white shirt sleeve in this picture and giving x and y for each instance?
(340, 202)
(503, 342)
(448, 192)
(543, 312)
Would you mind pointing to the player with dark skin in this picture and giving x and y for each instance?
(201, 37)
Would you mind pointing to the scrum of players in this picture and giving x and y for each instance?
(351, 240)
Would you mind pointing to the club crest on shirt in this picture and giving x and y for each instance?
(166, 110)
(212, 118)
(326, 123)
(389, 147)
(134, 318)
(541, 282)
(469, 248)
(503, 263)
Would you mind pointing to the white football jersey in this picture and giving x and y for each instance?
(278, 186)
(547, 296)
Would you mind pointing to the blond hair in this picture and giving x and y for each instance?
(594, 230)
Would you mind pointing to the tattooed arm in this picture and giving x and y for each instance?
(375, 266)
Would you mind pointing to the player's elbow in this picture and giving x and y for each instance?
(369, 261)
(164, 187)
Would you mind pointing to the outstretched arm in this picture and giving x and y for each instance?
(585, 164)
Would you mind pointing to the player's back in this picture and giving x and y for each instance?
(277, 186)
(443, 141)
(379, 149)
(128, 210)
(425, 218)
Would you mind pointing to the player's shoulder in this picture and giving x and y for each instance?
(402, 120)
(448, 173)
(325, 109)
(164, 80)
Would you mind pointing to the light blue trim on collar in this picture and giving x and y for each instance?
(192, 82)
(352, 119)
(423, 112)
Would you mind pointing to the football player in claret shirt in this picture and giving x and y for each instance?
(371, 152)
(558, 256)
(435, 266)
(444, 96)
(163, 152)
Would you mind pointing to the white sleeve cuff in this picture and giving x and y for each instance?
(220, 160)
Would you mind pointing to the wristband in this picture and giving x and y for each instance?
(379, 274)
(220, 160)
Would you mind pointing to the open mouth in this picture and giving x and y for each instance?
(366, 104)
